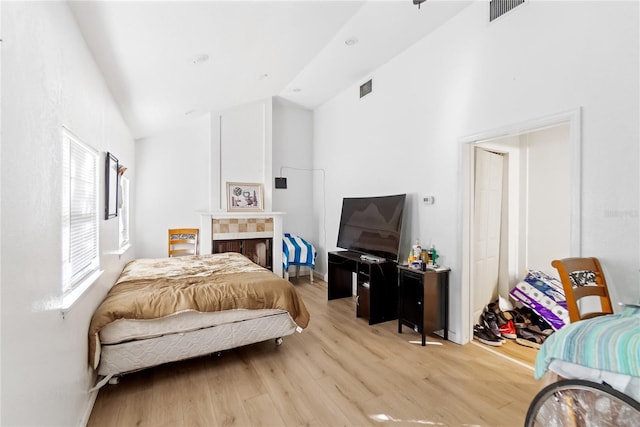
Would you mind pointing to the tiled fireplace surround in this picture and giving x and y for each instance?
(243, 225)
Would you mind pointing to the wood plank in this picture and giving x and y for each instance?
(339, 371)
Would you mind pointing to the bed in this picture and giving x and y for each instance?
(601, 349)
(170, 309)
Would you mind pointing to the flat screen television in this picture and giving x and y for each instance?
(372, 225)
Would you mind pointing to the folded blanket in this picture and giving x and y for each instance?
(610, 343)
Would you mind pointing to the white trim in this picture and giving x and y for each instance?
(574, 119)
(122, 249)
(73, 296)
(504, 356)
(93, 395)
(242, 235)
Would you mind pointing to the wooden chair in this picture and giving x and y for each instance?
(574, 272)
(183, 241)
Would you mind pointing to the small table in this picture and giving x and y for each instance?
(423, 300)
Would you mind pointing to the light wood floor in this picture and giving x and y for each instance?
(338, 372)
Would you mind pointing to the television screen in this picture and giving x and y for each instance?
(372, 225)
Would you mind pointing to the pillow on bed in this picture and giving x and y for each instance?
(582, 278)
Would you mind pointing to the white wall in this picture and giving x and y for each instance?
(470, 76)
(49, 79)
(292, 149)
(548, 211)
(173, 184)
(244, 144)
(185, 170)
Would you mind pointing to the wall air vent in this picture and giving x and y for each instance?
(497, 8)
(366, 88)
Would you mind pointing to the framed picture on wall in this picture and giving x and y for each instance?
(111, 186)
(243, 196)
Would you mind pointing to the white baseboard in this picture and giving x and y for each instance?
(93, 395)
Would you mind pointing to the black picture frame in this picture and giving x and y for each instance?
(111, 186)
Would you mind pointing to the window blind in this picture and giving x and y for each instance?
(79, 212)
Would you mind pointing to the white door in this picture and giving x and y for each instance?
(487, 217)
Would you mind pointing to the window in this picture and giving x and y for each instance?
(124, 213)
(80, 255)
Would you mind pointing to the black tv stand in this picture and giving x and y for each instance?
(376, 284)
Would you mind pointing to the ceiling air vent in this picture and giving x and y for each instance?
(366, 89)
(497, 8)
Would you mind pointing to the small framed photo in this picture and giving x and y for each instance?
(243, 196)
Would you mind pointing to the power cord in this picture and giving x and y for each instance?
(324, 198)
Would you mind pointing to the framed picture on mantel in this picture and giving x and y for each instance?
(243, 196)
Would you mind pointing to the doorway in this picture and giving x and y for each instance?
(532, 215)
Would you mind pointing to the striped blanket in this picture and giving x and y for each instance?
(608, 343)
(297, 251)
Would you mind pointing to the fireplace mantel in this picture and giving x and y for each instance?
(207, 232)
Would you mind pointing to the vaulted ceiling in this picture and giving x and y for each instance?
(166, 62)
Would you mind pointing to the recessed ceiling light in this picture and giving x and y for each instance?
(199, 59)
(351, 41)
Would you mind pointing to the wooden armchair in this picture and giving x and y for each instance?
(183, 241)
(582, 278)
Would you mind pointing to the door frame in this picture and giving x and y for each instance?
(467, 172)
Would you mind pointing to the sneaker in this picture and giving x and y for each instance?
(501, 316)
(537, 330)
(508, 330)
(528, 338)
(485, 336)
(491, 322)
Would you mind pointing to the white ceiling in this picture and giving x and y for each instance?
(148, 50)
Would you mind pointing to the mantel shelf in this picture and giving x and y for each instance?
(240, 214)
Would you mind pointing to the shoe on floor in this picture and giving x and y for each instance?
(537, 330)
(501, 316)
(485, 336)
(528, 339)
(491, 323)
(508, 330)
(527, 343)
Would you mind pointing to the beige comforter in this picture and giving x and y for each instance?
(154, 288)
